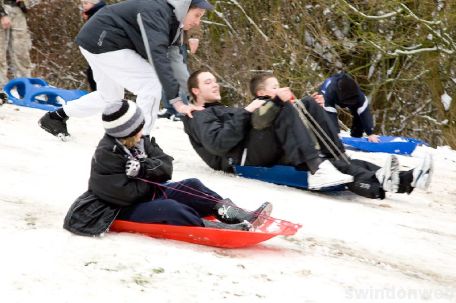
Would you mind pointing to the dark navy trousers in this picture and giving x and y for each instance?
(180, 203)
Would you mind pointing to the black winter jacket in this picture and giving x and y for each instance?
(118, 26)
(110, 188)
(217, 134)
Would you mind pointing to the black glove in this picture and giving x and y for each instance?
(132, 168)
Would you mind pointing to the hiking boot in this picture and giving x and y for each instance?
(327, 175)
(422, 174)
(220, 225)
(228, 212)
(388, 175)
(56, 127)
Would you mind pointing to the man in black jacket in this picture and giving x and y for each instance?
(223, 136)
(126, 44)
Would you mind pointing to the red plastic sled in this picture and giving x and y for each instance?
(210, 236)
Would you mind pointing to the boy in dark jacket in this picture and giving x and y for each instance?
(222, 136)
(341, 90)
(370, 180)
(127, 46)
(128, 181)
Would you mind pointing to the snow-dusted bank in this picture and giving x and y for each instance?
(353, 249)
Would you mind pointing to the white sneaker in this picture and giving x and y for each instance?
(422, 174)
(388, 175)
(327, 175)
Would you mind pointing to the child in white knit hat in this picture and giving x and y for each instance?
(129, 180)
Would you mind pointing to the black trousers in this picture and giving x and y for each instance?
(366, 183)
(182, 203)
(290, 142)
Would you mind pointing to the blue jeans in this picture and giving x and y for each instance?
(175, 205)
(181, 72)
(169, 107)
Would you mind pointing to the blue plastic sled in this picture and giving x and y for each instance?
(281, 175)
(387, 144)
(36, 93)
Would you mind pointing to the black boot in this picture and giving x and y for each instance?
(3, 98)
(405, 182)
(228, 212)
(54, 126)
(220, 225)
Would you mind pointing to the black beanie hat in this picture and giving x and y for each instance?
(347, 90)
(122, 119)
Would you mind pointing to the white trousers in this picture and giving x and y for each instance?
(114, 72)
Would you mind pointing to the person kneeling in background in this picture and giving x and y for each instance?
(128, 182)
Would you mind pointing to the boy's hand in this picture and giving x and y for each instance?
(257, 103)
(285, 94)
(373, 138)
(188, 109)
(193, 44)
(320, 99)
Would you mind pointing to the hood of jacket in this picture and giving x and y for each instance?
(180, 8)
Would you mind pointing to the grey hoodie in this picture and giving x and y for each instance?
(145, 26)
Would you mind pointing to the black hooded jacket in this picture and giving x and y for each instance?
(110, 188)
(145, 26)
(217, 134)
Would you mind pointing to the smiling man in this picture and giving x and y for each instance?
(223, 136)
(126, 45)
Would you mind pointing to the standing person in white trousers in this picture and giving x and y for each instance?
(126, 45)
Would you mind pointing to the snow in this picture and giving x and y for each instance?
(350, 249)
(446, 101)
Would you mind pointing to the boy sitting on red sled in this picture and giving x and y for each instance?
(127, 182)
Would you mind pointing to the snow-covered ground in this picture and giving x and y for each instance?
(350, 249)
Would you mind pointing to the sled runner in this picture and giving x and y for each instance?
(387, 144)
(36, 93)
(210, 236)
(281, 175)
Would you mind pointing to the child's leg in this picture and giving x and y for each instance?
(365, 182)
(206, 202)
(162, 211)
(359, 169)
(324, 122)
(193, 193)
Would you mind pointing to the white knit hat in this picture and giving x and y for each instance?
(122, 119)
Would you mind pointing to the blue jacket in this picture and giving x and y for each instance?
(362, 118)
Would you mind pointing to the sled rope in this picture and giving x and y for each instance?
(318, 131)
(200, 194)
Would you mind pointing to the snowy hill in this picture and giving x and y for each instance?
(349, 249)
